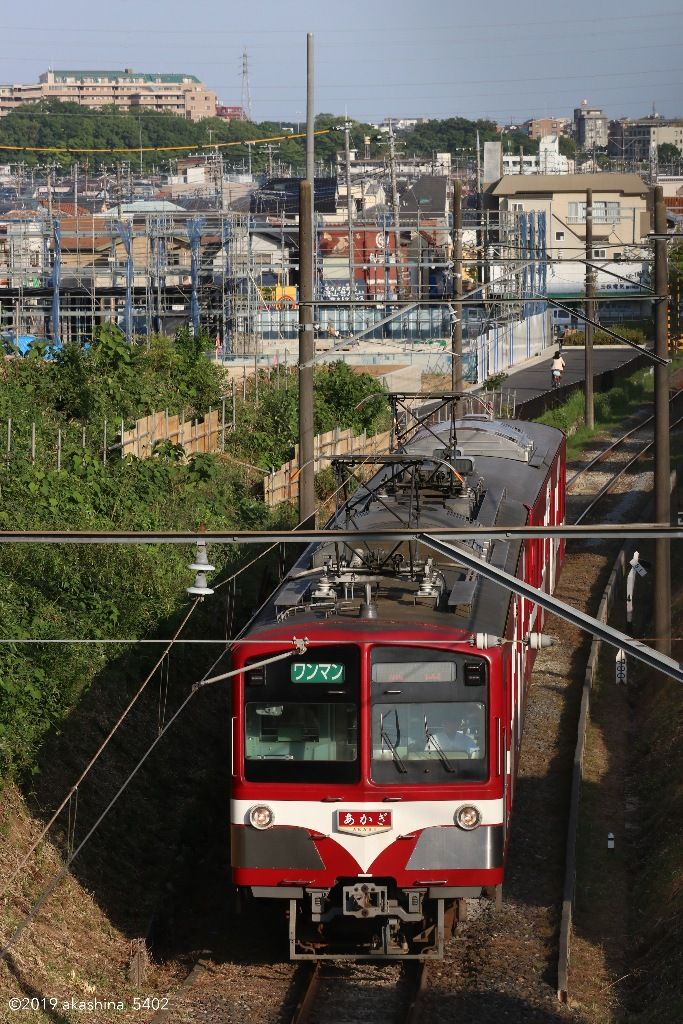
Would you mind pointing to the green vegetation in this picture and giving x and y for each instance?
(611, 409)
(635, 334)
(493, 382)
(457, 135)
(68, 125)
(52, 592)
(267, 432)
(668, 153)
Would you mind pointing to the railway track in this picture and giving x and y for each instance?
(501, 965)
(361, 993)
(626, 465)
(322, 993)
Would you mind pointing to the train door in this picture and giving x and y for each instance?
(513, 716)
(518, 663)
(549, 543)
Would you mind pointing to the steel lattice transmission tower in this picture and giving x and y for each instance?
(245, 100)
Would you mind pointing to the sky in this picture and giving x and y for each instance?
(499, 60)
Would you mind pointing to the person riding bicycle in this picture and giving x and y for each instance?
(557, 368)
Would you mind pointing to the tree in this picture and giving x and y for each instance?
(667, 153)
(567, 147)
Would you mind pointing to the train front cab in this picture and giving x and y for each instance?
(370, 789)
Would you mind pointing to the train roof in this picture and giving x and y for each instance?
(471, 471)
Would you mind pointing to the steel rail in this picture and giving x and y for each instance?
(603, 454)
(415, 972)
(653, 659)
(617, 476)
(615, 444)
(418, 984)
(307, 993)
(609, 531)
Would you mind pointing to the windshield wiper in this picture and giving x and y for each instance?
(385, 739)
(432, 740)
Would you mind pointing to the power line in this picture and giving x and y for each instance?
(101, 748)
(298, 645)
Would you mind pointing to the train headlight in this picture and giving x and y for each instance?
(467, 817)
(261, 816)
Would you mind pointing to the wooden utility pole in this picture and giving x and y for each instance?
(456, 335)
(589, 411)
(662, 449)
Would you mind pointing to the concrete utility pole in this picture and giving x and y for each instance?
(306, 287)
(395, 211)
(306, 356)
(349, 206)
(310, 113)
(119, 190)
(49, 195)
(589, 410)
(662, 450)
(456, 336)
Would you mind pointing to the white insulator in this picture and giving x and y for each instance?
(483, 640)
(537, 641)
(200, 587)
(201, 562)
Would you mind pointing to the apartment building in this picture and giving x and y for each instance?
(127, 90)
(590, 126)
(634, 140)
(621, 222)
(620, 213)
(539, 127)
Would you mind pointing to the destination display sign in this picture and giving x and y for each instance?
(316, 672)
(414, 672)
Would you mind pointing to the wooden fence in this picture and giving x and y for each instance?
(283, 485)
(207, 435)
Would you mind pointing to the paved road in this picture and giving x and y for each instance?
(534, 379)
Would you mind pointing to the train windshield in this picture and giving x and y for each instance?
(301, 741)
(429, 741)
(429, 715)
(301, 717)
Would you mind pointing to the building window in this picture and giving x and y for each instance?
(603, 212)
(599, 254)
(559, 236)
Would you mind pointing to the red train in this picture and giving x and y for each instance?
(373, 775)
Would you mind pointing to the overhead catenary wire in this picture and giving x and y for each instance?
(52, 885)
(102, 747)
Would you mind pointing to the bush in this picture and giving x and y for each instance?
(578, 337)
